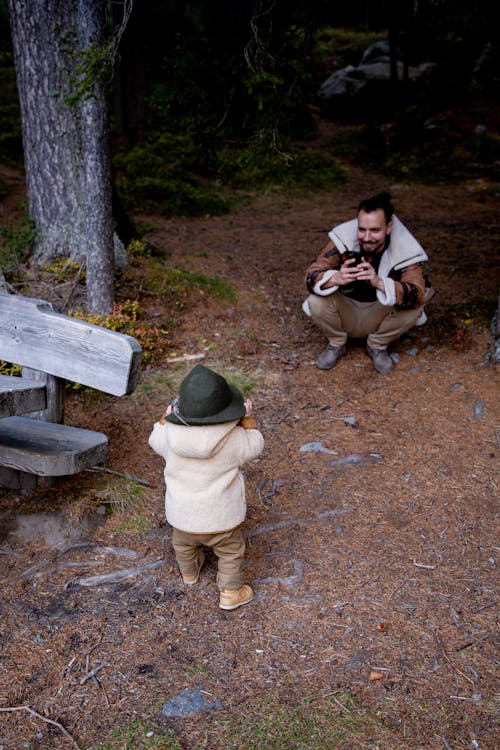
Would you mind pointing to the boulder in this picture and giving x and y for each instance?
(356, 85)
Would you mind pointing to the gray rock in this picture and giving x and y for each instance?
(379, 51)
(355, 86)
(316, 447)
(189, 702)
(351, 81)
(479, 409)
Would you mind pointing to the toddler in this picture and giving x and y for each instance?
(205, 436)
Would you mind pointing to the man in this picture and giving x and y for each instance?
(367, 283)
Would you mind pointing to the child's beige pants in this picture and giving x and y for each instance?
(229, 546)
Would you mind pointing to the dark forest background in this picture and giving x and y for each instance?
(212, 99)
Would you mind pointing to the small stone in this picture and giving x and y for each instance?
(479, 409)
(412, 352)
(316, 447)
(189, 702)
(395, 357)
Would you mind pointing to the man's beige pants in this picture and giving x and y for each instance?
(229, 547)
(341, 317)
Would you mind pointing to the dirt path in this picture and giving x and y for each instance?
(371, 522)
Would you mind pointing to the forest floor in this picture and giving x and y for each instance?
(371, 521)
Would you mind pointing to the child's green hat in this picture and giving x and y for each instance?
(205, 397)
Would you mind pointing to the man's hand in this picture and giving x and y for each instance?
(347, 273)
(365, 272)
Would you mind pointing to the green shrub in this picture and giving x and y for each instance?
(7, 368)
(263, 164)
(166, 173)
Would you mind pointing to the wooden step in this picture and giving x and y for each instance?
(21, 395)
(49, 449)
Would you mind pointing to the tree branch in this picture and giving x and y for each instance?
(34, 713)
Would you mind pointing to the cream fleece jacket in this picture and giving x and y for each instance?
(205, 489)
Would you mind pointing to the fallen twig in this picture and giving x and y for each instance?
(114, 576)
(130, 477)
(445, 743)
(443, 651)
(484, 606)
(67, 670)
(421, 565)
(344, 708)
(93, 673)
(97, 549)
(265, 527)
(472, 643)
(187, 357)
(34, 713)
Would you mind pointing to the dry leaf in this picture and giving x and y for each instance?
(376, 675)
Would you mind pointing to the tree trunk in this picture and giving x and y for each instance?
(65, 136)
(97, 167)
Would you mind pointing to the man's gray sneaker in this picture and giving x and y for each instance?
(381, 360)
(329, 357)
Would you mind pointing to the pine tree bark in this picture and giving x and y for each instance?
(65, 136)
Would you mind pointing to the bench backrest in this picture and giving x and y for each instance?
(34, 336)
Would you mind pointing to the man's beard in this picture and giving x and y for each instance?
(371, 249)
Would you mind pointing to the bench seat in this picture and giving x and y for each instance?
(49, 449)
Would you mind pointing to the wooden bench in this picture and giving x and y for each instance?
(35, 444)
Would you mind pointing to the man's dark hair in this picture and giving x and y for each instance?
(381, 200)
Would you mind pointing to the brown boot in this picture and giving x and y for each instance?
(233, 598)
